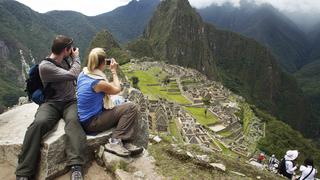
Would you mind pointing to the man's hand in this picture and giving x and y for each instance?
(75, 54)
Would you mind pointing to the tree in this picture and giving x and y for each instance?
(206, 102)
(135, 81)
(166, 80)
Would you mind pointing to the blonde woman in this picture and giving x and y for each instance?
(97, 112)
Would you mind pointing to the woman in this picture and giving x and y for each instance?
(308, 172)
(290, 165)
(97, 112)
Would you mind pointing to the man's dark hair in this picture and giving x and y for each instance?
(60, 43)
(308, 162)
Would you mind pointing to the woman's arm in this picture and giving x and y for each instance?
(107, 88)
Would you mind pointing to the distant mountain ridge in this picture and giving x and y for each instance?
(32, 32)
(265, 24)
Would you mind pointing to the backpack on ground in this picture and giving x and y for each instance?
(34, 87)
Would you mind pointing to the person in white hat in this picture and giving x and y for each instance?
(290, 156)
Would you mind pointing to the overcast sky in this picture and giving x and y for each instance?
(94, 7)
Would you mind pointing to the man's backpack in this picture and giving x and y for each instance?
(34, 88)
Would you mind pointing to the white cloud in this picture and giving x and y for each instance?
(87, 7)
(94, 7)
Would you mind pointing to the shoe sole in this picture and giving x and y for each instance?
(136, 152)
(115, 153)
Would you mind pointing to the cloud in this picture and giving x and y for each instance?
(302, 6)
(87, 7)
(95, 7)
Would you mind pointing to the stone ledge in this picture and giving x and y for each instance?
(13, 125)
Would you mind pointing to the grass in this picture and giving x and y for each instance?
(175, 132)
(177, 165)
(155, 92)
(225, 133)
(247, 115)
(198, 113)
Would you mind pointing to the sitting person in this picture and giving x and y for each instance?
(97, 112)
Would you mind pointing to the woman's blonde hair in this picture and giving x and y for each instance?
(96, 58)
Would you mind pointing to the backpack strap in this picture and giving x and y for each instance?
(308, 174)
(55, 63)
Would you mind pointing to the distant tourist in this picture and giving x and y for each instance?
(61, 103)
(96, 110)
(287, 165)
(308, 172)
(261, 158)
(272, 161)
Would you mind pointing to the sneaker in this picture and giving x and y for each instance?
(76, 173)
(22, 178)
(134, 150)
(115, 146)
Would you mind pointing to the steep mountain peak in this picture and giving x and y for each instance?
(177, 33)
(104, 39)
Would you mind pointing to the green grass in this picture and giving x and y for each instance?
(155, 92)
(177, 165)
(225, 133)
(246, 116)
(175, 132)
(198, 113)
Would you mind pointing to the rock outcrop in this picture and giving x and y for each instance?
(13, 125)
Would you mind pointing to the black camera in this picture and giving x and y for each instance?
(108, 61)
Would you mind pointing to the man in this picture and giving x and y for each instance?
(61, 103)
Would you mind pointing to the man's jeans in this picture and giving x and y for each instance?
(47, 116)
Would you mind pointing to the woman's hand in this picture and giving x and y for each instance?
(113, 66)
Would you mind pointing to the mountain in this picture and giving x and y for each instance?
(265, 24)
(23, 37)
(126, 22)
(178, 35)
(73, 24)
(314, 37)
(309, 79)
(32, 33)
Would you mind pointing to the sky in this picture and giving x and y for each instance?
(95, 7)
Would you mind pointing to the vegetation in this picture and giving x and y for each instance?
(246, 115)
(280, 138)
(178, 165)
(175, 132)
(150, 85)
(241, 64)
(198, 113)
(135, 81)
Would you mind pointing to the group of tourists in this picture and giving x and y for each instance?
(288, 166)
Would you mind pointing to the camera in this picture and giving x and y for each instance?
(108, 61)
(73, 49)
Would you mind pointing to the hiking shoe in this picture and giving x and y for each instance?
(134, 150)
(115, 146)
(22, 178)
(76, 173)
